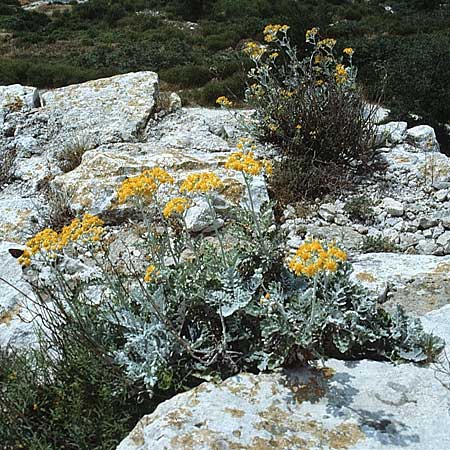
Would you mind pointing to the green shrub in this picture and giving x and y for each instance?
(360, 208)
(187, 76)
(222, 41)
(67, 395)
(378, 244)
(31, 72)
(232, 86)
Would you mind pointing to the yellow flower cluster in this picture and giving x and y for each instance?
(144, 185)
(245, 142)
(201, 182)
(246, 162)
(177, 205)
(270, 31)
(150, 273)
(287, 94)
(348, 51)
(312, 258)
(274, 55)
(254, 49)
(311, 34)
(330, 43)
(340, 74)
(223, 101)
(159, 175)
(90, 228)
(273, 127)
(257, 90)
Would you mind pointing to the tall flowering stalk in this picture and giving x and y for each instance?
(244, 161)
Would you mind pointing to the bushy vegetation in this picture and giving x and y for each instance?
(190, 309)
(360, 209)
(100, 38)
(378, 244)
(310, 108)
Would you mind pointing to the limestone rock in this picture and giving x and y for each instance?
(107, 110)
(423, 137)
(13, 330)
(15, 97)
(17, 217)
(174, 102)
(357, 405)
(421, 283)
(196, 128)
(427, 222)
(430, 168)
(345, 236)
(393, 207)
(444, 241)
(328, 211)
(390, 133)
(93, 185)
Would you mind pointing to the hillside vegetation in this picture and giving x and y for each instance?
(407, 45)
(102, 38)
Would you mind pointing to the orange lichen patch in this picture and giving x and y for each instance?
(287, 431)
(233, 190)
(7, 316)
(442, 267)
(137, 434)
(366, 276)
(196, 439)
(402, 159)
(235, 412)
(178, 417)
(328, 372)
(345, 435)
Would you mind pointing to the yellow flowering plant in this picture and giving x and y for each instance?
(311, 108)
(194, 308)
(48, 243)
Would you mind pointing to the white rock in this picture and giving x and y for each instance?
(424, 137)
(174, 102)
(17, 218)
(393, 207)
(200, 218)
(446, 222)
(93, 185)
(13, 330)
(390, 133)
(426, 246)
(16, 96)
(427, 222)
(444, 241)
(107, 110)
(375, 270)
(441, 195)
(328, 211)
(361, 405)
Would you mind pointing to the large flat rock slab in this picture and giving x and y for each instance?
(420, 283)
(114, 109)
(93, 185)
(364, 405)
(212, 130)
